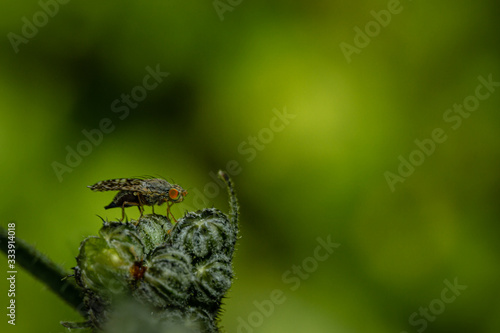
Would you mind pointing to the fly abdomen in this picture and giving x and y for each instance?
(123, 199)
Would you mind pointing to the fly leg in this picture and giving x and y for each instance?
(169, 213)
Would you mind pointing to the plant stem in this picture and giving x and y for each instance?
(233, 201)
(45, 270)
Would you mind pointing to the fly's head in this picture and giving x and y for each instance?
(175, 194)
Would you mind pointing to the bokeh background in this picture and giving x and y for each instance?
(323, 175)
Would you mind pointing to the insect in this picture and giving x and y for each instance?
(141, 192)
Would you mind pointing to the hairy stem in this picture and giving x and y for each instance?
(233, 201)
(42, 268)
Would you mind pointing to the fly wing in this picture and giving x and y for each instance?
(119, 184)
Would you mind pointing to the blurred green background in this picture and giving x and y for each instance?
(320, 174)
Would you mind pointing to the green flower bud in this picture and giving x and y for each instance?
(153, 231)
(203, 234)
(101, 268)
(188, 320)
(213, 279)
(167, 279)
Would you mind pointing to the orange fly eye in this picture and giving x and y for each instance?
(173, 193)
